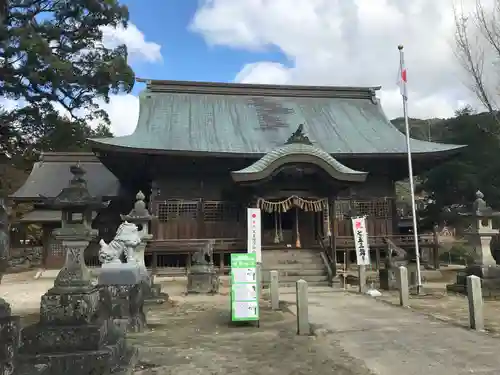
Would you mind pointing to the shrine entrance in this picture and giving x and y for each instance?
(294, 222)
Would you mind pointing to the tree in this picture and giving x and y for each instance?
(54, 64)
(454, 183)
(477, 47)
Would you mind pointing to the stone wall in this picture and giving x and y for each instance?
(25, 258)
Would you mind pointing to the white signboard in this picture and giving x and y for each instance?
(254, 233)
(361, 241)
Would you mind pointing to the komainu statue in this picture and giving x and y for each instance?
(126, 240)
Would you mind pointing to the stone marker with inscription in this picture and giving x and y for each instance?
(480, 236)
(75, 334)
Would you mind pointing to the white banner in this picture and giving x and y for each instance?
(254, 233)
(361, 240)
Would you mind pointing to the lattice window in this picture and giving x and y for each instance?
(177, 210)
(342, 208)
(218, 211)
(57, 249)
(376, 208)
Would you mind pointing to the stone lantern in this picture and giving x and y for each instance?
(141, 217)
(75, 333)
(479, 236)
(76, 205)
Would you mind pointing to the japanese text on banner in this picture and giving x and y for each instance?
(361, 240)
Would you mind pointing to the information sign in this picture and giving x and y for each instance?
(244, 292)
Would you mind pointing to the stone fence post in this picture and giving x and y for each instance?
(303, 327)
(475, 297)
(402, 280)
(275, 290)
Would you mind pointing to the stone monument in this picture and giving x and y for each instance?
(395, 257)
(141, 217)
(9, 325)
(75, 334)
(479, 236)
(123, 281)
(202, 277)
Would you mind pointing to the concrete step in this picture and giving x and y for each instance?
(293, 266)
(308, 278)
(293, 262)
(285, 254)
(291, 284)
(296, 272)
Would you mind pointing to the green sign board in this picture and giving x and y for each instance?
(244, 290)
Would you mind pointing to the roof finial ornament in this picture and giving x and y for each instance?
(299, 137)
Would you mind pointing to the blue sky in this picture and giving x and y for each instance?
(318, 42)
(186, 55)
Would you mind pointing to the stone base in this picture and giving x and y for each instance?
(76, 336)
(490, 281)
(127, 303)
(9, 343)
(203, 280)
(387, 279)
(153, 294)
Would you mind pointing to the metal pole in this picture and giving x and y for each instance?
(410, 171)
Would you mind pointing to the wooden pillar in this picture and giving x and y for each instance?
(201, 223)
(46, 233)
(377, 258)
(221, 263)
(435, 248)
(154, 262)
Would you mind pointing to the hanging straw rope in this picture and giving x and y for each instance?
(290, 202)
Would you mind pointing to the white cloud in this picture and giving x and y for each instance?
(347, 42)
(123, 110)
(134, 39)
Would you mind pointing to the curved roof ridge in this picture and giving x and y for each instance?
(297, 152)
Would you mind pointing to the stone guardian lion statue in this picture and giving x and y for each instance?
(126, 240)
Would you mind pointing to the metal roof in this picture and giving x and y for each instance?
(285, 154)
(51, 174)
(255, 119)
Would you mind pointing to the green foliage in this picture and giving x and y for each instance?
(452, 185)
(53, 63)
(459, 254)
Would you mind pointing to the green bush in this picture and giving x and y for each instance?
(459, 254)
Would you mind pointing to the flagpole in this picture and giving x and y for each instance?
(410, 170)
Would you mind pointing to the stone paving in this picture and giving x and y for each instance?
(392, 340)
(451, 308)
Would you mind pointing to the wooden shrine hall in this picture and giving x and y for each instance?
(202, 153)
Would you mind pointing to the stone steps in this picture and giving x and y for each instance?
(293, 265)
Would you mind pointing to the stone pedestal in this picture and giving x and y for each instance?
(485, 266)
(75, 334)
(203, 279)
(387, 279)
(124, 284)
(9, 339)
(152, 292)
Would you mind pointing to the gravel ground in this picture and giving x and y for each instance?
(193, 335)
(191, 338)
